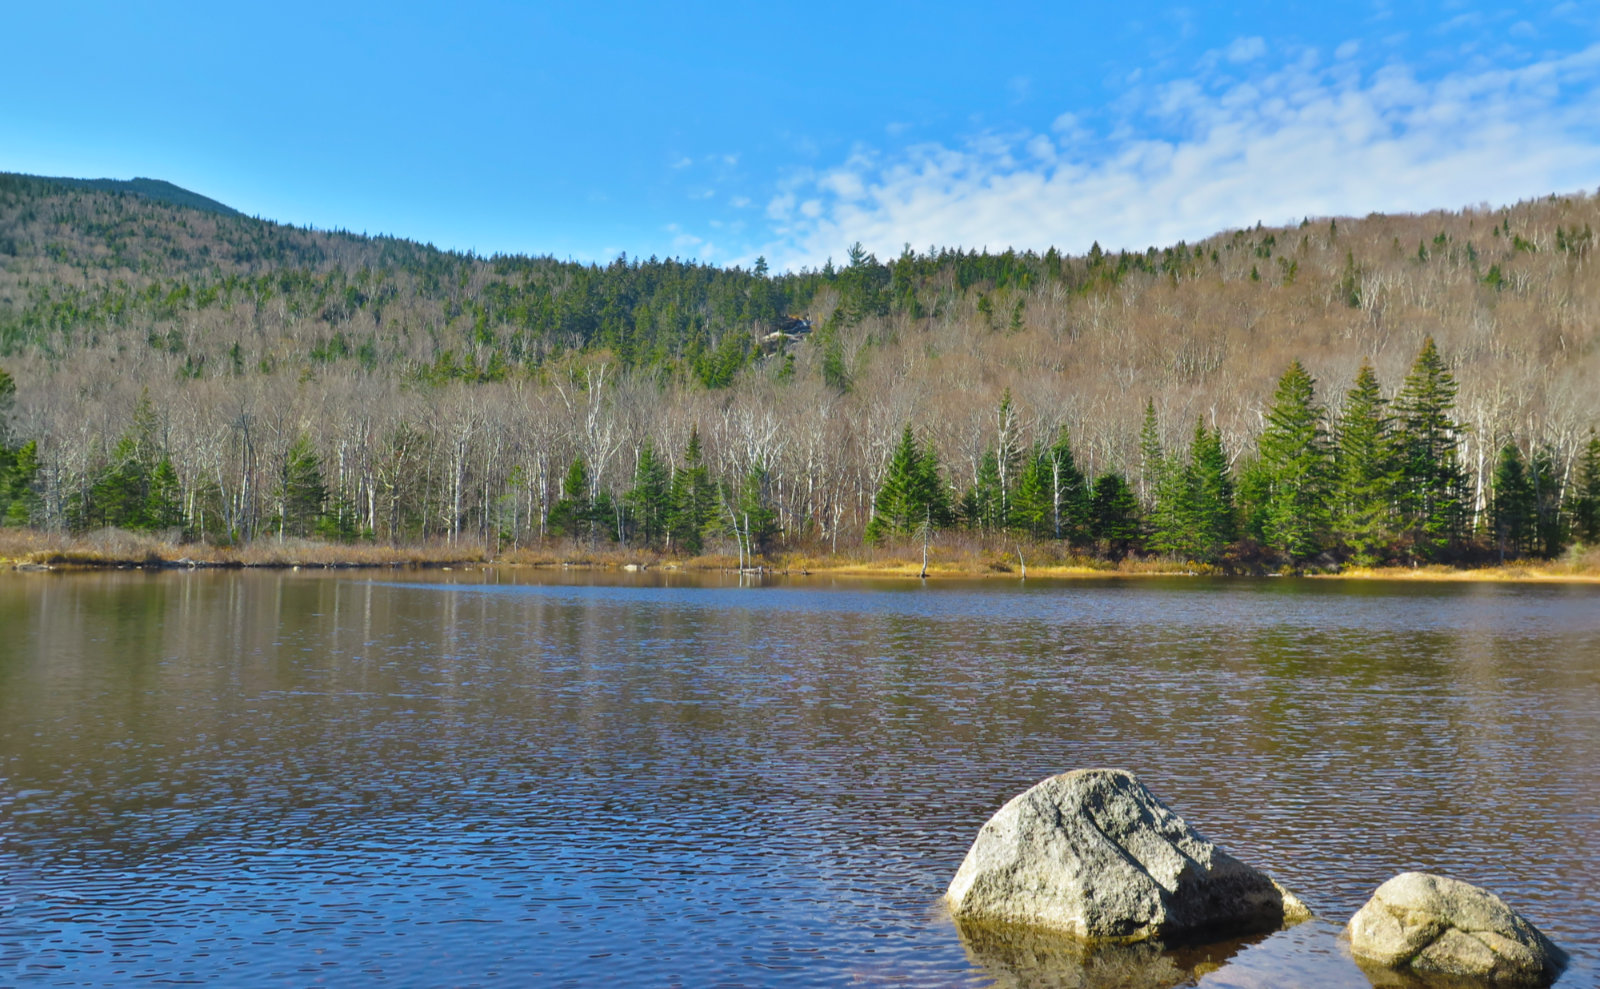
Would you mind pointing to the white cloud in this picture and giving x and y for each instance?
(1245, 49)
(1198, 156)
(781, 206)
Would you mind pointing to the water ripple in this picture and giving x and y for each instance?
(262, 779)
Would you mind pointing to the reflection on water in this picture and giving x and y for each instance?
(259, 779)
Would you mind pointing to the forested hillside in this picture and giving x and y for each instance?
(1392, 388)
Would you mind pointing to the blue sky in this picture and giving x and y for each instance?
(791, 130)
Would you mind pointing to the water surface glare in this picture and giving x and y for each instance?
(503, 778)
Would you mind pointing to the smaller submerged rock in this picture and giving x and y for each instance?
(1427, 924)
(1092, 853)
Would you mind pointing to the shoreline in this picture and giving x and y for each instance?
(34, 552)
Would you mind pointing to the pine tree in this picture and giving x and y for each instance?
(120, 495)
(164, 509)
(301, 492)
(19, 502)
(912, 496)
(1549, 527)
(8, 460)
(983, 506)
(1171, 516)
(1007, 458)
(1253, 493)
(1295, 468)
(753, 515)
(8, 399)
(892, 511)
(340, 521)
(1114, 515)
(1584, 501)
(1212, 518)
(693, 499)
(1364, 470)
(650, 499)
(573, 513)
(1432, 483)
(1159, 493)
(1150, 458)
(1069, 492)
(1032, 508)
(1052, 498)
(1511, 507)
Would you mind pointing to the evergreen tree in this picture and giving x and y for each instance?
(120, 496)
(1052, 498)
(1151, 462)
(165, 507)
(754, 516)
(1211, 516)
(1364, 470)
(19, 501)
(693, 499)
(1032, 509)
(301, 492)
(573, 513)
(1171, 517)
(8, 461)
(1511, 510)
(912, 495)
(8, 399)
(1432, 483)
(1295, 468)
(1195, 514)
(1069, 492)
(1253, 493)
(835, 371)
(1007, 459)
(650, 499)
(1549, 529)
(340, 521)
(606, 517)
(983, 507)
(1114, 515)
(1584, 501)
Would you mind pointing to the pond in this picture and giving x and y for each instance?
(502, 777)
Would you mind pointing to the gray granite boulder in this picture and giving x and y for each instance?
(1092, 853)
(1433, 925)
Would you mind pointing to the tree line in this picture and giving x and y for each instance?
(1379, 482)
(229, 379)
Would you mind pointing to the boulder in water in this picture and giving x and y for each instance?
(1433, 925)
(1092, 853)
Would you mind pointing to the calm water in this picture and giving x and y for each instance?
(296, 779)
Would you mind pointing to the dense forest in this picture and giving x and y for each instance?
(1386, 389)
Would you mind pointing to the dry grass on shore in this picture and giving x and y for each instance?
(955, 555)
(1579, 564)
(117, 547)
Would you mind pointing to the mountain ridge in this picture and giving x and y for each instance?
(158, 190)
